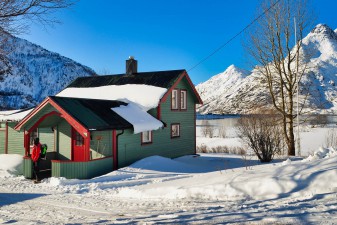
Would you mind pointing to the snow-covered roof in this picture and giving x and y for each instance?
(140, 98)
(140, 119)
(14, 115)
(3, 113)
(145, 96)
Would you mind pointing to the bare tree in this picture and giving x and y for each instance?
(331, 138)
(15, 15)
(207, 129)
(281, 65)
(262, 133)
(222, 131)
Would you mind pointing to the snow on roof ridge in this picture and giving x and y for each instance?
(146, 96)
(15, 115)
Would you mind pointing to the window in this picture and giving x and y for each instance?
(174, 100)
(79, 140)
(146, 137)
(175, 130)
(34, 134)
(183, 101)
(179, 99)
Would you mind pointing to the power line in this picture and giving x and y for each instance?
(236, 35)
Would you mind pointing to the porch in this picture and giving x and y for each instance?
(81, 141)
(70, 169)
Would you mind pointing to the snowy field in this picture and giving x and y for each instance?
(205, 189)
(311, 139)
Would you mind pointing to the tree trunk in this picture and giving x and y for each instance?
(291, 143)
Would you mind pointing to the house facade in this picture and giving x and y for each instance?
(11, 141)
(106, 122)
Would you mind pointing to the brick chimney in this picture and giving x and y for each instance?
(131, 66)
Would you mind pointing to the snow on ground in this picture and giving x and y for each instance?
(10, 165)
(312, 138)
(205, 189)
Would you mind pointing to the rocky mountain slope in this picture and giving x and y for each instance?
(237, 91)
(29, 73)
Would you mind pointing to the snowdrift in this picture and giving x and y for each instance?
(11, 164)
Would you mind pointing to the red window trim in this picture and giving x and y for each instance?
(141, 138)
(178, 98)
(183, 90)
(172, 124)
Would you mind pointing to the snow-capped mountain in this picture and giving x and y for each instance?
(29, 73)
(236, 91)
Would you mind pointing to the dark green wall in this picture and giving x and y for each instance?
(129, 144)
(102, 148)
(64, 138)
(82, 170)
(47, 136)
(15, 140)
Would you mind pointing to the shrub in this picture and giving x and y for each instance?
(207, 129)
(222, 132)
(331, 138)
(263, 134)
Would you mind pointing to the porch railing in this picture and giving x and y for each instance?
(81, 170)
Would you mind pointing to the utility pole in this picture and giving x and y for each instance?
(298, 87)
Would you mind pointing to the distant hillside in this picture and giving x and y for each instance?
(237, 91)
(29, 73)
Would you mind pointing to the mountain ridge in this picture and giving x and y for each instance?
(29, 73)
(319, 48)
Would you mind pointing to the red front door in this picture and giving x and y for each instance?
(78, 151)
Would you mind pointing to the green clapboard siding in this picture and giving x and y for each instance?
(47, 109)
(64, 140)
(102, 148)
(47, 136)
(15, 140)
(27, 168)
(129, 144)
(2, 141)
(82, 170)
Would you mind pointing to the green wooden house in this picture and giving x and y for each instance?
(11, 140)
(103, 123)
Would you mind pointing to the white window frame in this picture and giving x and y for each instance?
(147, 134)
(183, 99)
(175, 100)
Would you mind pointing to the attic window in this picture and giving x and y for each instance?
(183, 100)
(174, 100)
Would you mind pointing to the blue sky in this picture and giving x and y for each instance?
(161, 35)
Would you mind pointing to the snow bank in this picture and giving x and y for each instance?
(210, 177)
(140, 119)
(145, 96)
(321, 154)
(10, 164)
(158, 163)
